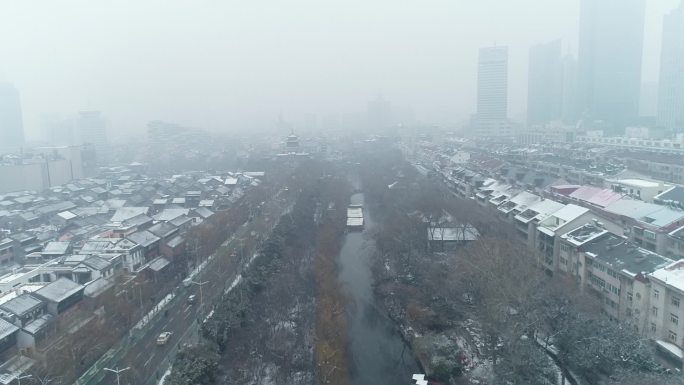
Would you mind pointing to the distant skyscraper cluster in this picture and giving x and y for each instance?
(671, 86)
(545, 83)
(603, 86)
(609, 59)
(11, 121)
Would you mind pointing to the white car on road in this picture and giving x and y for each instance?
(163, 338)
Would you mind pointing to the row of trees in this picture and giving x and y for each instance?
(195, 365)
(262, 327)
(330, 349)
(495, 281)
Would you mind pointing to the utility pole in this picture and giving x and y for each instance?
(117, 371)
(200, 284)
(142, 312)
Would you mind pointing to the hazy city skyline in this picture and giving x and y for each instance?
(236, 66)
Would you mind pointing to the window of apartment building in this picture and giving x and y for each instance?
(654, 311)
(674, 319)
(564, 261)
(674, 301)
(653, 327)
(615, 290)
(565, 248)
(548, 259)
(597, 281)
(599, 267)
(649, 235)
(629, 296)
(673, 336)
(612, 273)
(656, 294)
(638, 296)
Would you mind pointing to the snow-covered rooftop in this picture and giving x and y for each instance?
(649, 213)
(596, 196)
(539, 211)
(671, 275)
(125, 213)
(570, 212)
(642, 183)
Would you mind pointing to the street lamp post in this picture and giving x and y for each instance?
(117, 371)
(22, 377)
(200, 284)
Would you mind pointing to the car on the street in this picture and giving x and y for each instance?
(192, 299)
(163, 338)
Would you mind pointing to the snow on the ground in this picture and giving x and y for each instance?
(671, 348)
(235, 282)
(163, 377)
(211, 313)
(238, 278)
(156, 309)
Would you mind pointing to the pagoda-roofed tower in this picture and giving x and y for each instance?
(292, 142)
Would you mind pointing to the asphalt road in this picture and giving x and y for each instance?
(147, 360)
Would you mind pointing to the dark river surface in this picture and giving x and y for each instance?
(377, 354)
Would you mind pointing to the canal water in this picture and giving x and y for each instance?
(377, 354)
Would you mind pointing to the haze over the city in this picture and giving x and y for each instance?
(238, 65)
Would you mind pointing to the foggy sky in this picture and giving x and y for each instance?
(232, 65)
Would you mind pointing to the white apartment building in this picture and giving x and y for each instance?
(613, 269)
(667, 304)
(527, 221)
(641, 189)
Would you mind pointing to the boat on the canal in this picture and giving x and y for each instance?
(355, 217)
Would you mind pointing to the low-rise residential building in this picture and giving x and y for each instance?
(548, 231)
(32, 334)
(148, 242)
(8, 336)
(132, 254)
(517, 204)
(164, 230)
(614, 269)
(673, 196)
(465, 182)
(594, 197)
(561, 222)
(642, 189)
(444, 238)
(60, 295)
(201, 213)
(675, 244)
(492, 189)
(667, 305)
(646, 224)
(56, 249)
(527, 221)
(23, 309)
